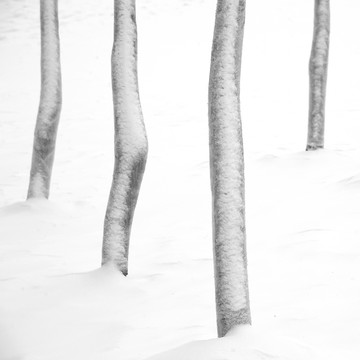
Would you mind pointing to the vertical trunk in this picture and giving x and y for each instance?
(50, 103)
(318, 75)
(130, 138)
(227, 168)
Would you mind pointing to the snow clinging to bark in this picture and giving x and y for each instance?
(50, 102)
(318, 65)
(227, 167)
(130, 138)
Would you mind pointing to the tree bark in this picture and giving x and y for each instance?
(318, 66)
(130, 138)
(227, 168)
(50, 102)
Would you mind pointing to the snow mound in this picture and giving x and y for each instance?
(243, 342)
(68, 316)
(351, 181)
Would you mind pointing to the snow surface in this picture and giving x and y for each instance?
(302, 208)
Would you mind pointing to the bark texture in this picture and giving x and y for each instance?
(130, 138)
(227, 168)
(318, 66)
(50, 102)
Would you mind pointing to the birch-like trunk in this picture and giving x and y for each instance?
(318, 75)
(227, 168)
(50, 102)
(130, 138)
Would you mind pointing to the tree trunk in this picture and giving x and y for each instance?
(318, 75)
(227, 168)
(50, 103)
(130, 138)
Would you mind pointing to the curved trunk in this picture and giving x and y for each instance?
(50, 103)
(227, 168)
(318, 75)
(130, 138)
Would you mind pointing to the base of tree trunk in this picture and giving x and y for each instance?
(314, 147)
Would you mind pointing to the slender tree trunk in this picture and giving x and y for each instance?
(130, 138)
(227, 168)
(318, 75)
(50, 102)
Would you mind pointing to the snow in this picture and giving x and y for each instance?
(243, 342)
(302, 207)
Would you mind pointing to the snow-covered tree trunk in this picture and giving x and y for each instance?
(227, 168)
(50, 103)
(130, 138)
(318, 75)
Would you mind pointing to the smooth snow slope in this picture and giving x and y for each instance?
(302, 208)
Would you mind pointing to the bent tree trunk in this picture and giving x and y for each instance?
(50, 103)
(130, 138)
(227, 168)
(318, 75)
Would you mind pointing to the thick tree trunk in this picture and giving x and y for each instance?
(227, 168)
(50, 103)
(130, 138)
(318, 75)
